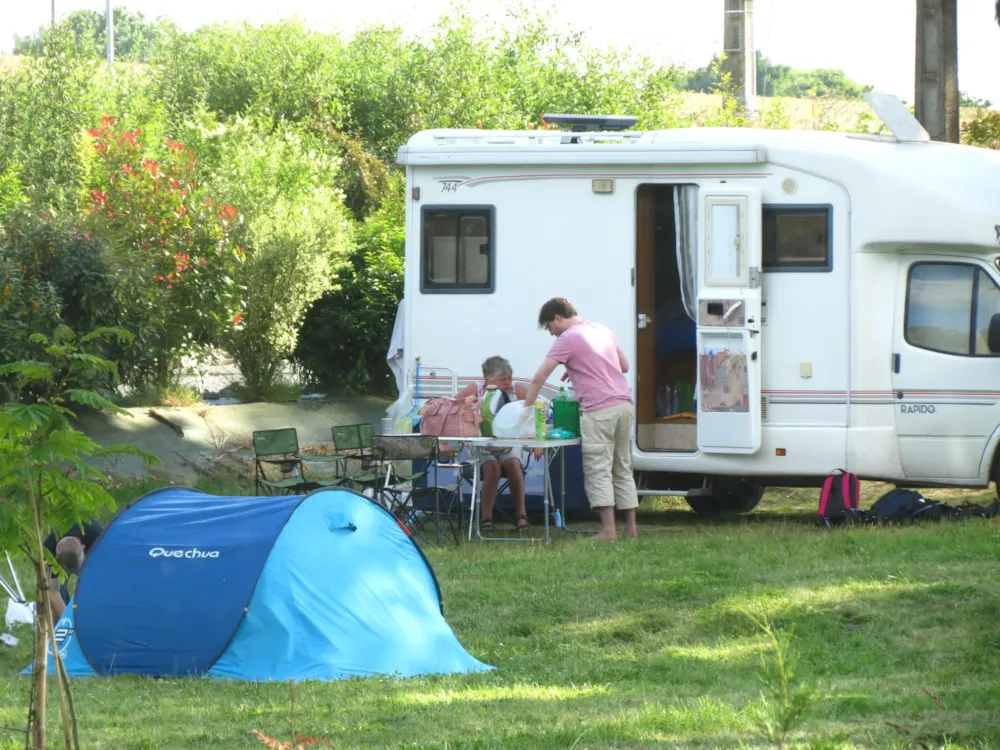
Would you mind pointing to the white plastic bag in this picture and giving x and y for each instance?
(402, 406)
(19, 612)
(513, 421)
(399, 416)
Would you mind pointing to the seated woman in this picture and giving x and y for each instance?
(494, 391)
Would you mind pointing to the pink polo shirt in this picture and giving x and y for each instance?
(589, 351)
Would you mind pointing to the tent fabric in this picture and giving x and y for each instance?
(324, 586)
(202, 555)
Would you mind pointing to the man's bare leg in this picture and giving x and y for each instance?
(630, 527)
(608, 530)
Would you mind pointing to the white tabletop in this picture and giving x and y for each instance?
(528, 443)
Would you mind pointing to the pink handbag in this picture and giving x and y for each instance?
(449, 417)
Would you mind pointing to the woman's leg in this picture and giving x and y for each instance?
(488, 494)
(514, 472)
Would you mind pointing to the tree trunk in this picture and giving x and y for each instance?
(62, 684)
(41, 667)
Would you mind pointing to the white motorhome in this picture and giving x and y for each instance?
(791, 302)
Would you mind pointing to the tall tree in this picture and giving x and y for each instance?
(135, 36)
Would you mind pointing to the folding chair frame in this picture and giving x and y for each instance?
(414, 510)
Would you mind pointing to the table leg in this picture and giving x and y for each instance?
(565, 526)
(474, 516)
(545, 492)
(562, 490)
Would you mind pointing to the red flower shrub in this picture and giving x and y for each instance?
(171, 239)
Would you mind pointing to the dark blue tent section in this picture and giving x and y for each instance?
(576, 496)
(323, 586)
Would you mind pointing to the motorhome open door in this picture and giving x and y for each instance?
(729, 320)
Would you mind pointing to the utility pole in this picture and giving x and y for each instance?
(110, 27)
(741, 57)
(937, 100)
(53, 12)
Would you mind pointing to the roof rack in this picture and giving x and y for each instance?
(532, 137)
(591, 123)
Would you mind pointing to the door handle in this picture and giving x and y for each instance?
(731, 310)
(895, 362)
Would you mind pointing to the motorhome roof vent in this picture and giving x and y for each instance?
(591, 123)
(905, 128)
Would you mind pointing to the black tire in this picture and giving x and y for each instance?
(741, 497)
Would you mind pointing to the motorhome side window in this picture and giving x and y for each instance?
(796, 238)
(949, 306)
(457, 249)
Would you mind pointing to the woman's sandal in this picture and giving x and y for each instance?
(486, 525)
(522, 526)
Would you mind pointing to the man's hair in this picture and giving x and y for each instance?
(496, 366)
(555, 306)
(69, 553)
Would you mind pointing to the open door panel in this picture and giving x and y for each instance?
(728, 325)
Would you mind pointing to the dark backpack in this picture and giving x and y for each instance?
(903, 505)
(910, 505)
(838, 500)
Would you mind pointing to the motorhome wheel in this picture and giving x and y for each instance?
(738, 497)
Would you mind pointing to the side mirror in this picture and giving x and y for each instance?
(993, 334)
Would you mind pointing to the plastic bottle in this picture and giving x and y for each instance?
(558, 518)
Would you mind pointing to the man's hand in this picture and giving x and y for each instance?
(537, 453)
(565, 375)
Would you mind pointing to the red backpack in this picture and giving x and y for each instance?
(450, 417)
(838, 501)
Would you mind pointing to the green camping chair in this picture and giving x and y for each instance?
(354, 441)
(281, 448)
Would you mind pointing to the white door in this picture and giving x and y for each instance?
(729, 330)
(945, 379)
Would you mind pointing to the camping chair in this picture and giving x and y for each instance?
(416, 507)
(19, 609)
(281, 448)
(354, 441)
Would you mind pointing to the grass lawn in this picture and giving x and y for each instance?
(639, 645)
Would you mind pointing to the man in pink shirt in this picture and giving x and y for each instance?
(596, 365)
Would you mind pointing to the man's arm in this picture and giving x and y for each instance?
(56, 602)
(622, 360)
(548, 365)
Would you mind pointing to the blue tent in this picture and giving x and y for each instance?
(323, 586)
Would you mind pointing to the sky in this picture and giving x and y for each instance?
(871, 40)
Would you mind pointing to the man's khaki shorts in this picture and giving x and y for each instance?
(607, 457)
